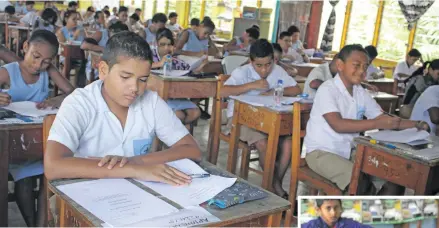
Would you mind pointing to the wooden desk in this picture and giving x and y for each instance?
(396, 165)
(384, 84)
(19, 143)
(317, 60)
(269, 121)
(304, 68)
(388, 102)
(263, 212)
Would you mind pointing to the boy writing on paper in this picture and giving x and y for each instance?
(28, 80)
(260, 77)
(337, 118)
(372, 71)
(116, 119)
(427, 108)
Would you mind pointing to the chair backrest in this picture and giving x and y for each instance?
(47, 124)
(232, 62)
(405, 111)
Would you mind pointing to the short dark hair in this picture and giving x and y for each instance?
(123, 9)
(208, 23)
(117, 27)
(293, 29)
(159, 17)
(277, 47)
(206, 18)
(253, 33)
(195, 22)
(49, 15)
(256, 27)
(371, 51)
(135, 17)
(172, 15)
(347, 50)
(90, 9)
(96, 16)
(42, 35)
(165, 32)
(138, 9)
(319, 202)
(106, 7)
(107, 13)
(127, 44)
(30, 3)
(72, 3)
(67, 14)
(414, 53)
(10, 10)
(261, 49)
(284, 34)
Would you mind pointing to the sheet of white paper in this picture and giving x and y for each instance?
(266, 101)
(35, 120)
(404, 136)
(172, 73)
(194, 62)
(29, 108)
(309, 52)
(117, 202)
(198, 191)
(191, 216)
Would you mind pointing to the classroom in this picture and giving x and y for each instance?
(218, 112)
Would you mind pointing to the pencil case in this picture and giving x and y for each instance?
(238, 193)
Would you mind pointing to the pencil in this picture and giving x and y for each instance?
(390, 114)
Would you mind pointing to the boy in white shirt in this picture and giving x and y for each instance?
(173, 25)
(337, 118)
(288, 52)
(372, 71)
(405, 69)
(260, 77)
(319, 75)
(427, 108)
(114, 120)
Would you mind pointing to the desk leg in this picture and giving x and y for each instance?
(356, 170)
(4, 159)
(234, 140)
(214, 132)
(422, 188)
(270, 154)
(274, 220)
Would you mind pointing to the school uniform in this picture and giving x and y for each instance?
(404, 68)
(428, 99)
(194, 44)
(371, 69)
(29, 19)
(247, 74)
(41, 24)
(322, 72)
(68, 34)
(239, 43)
(174, 28)
(297, 45)
(177, 64)
(150, 36)
(415, 87)
(19, 90)
(85, 124)
(298, 57)
(102, 43)
(328, 153)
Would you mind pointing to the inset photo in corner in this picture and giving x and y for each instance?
(368, 211)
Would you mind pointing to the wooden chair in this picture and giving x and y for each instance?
(215, 133)
(299, 169)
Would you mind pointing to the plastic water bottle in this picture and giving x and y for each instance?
(167, 67)
(278, 93)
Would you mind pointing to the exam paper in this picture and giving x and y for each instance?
(264, 101)
(193, 61)
(191, 216)
(117, 202)
(198, 191)
(29, 108)
(404, 136)
(172, 73)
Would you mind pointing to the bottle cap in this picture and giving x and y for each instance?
(280, 82)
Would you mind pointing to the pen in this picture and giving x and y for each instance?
(388, 145)
(200, 175)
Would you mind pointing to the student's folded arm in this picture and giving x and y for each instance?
(315, 84)
(292, 91)
(341, 125)
(434, 114)
(235, 90)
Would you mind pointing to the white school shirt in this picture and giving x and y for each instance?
(86, 126)
(175, 27)
(322, 72)
(29, 18)
(404, 68)
(332, 96)
(428, 99)
(247, 74)
(370, 70)
(298, 57)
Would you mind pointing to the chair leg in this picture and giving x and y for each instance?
(245, 162)
(288, 217)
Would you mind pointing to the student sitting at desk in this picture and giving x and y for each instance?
(46, 21)
(277, 55)
(421, 79)
(427, 108)
(319, 75)
(406, 68)
(296, 44)
(71, 31)
(9, 15)
(186, 111)
(122, 14)
(337, 118)
(99, 21)
(134, 24)
(288, 52)
(149, 33)
(28, 80)
(114, 120)
(372, 71)
(29, 7)
(260, 77)
(195, 22)
(330, 211)
(30, 15)
(242, 43)
(173, 25)
(195, 42)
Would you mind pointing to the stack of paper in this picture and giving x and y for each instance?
(198, 191)
(404, 136)
(265, 101)
(172, 73)
(29, 108)
(194, 62)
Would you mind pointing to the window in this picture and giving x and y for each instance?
(394, 35)
(340, 10)
(172, 6)
(362, 22)
(148, 9)
(427, 33)
(195, 9)
(249, 3)
(161, 7)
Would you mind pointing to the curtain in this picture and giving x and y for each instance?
(328, 36)
(294, 13)
(414, 9)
